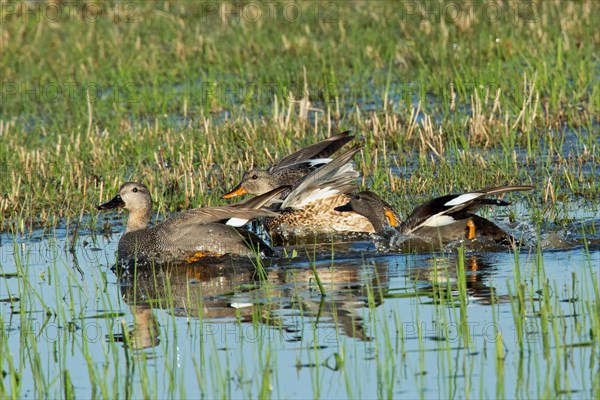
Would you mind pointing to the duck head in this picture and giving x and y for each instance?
(254, 182)
(135, 198)
(369, 205)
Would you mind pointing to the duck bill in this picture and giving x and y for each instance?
(237, 191)
(391, 218)
(116, 202)
(344, 208)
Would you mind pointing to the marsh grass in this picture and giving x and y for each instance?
(173, 118)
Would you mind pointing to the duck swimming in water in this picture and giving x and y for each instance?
(188, 235)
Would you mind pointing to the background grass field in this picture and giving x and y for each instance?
(186, 95)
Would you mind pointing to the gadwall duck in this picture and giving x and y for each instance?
(291, 169)
(309, 207)
(188, 235)
(447, 218)
(318, 186)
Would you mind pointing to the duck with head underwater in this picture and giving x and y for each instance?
(442, 220)
(188, 235)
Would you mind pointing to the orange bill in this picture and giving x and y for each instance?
(471, 232)
(391, 218)
(235, 192)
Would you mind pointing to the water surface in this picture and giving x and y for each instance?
(390, 325)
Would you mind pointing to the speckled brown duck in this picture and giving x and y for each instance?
(447, 218)
(188, 235)
(318, 186)
(309, 208)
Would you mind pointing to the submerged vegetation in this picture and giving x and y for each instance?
(185, 96)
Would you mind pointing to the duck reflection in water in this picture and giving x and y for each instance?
(439, 273)
(222, 292)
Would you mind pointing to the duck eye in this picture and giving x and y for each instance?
(254, 176)
(357, 197)
(135, 190)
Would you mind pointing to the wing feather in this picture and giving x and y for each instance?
(322, 149)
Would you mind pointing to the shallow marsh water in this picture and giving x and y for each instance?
(445, 97)
(390, 325)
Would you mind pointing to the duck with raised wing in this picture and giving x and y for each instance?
(446, 219)
(291, 169)
(309, 207)
(318, 185)
(188, 235)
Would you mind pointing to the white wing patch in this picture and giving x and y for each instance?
(463, 198)
(237, 222)
(314, 162)
(300, 201)
(347, 170)
(319, 187)
(438, 220)
(240, 305)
